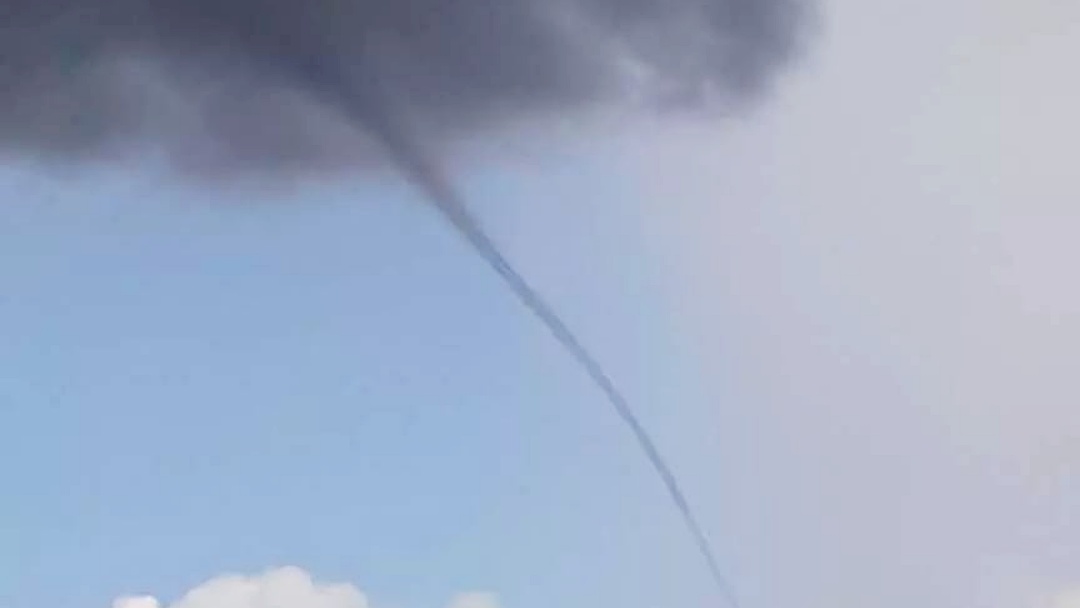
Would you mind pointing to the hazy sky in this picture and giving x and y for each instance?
(849, 317)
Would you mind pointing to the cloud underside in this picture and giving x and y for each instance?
(279, 83)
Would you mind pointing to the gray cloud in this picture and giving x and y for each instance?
(269, 83)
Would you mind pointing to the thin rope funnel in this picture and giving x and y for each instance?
(402, 146)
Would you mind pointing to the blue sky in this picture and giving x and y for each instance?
(200, 383)
(849, 319)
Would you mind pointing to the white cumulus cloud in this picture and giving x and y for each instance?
(475, 600)
(288, 587)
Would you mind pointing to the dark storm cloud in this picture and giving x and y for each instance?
(267, 83)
